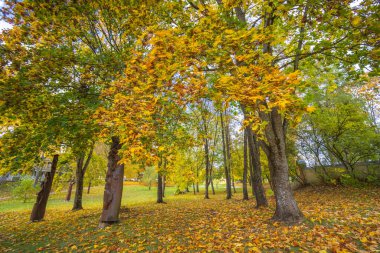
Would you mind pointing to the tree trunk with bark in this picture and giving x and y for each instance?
(113, 189)
(253, 151)
(82, 166)
(89, 187)
(207, 161)
(78, 190)
(245, 169)
(286, 206)
(226, 170)
(228, 150)
(160, 198)
(212, 183)
(163, 185)
(233, 184)
(257, 181)
(39, 207)
(69, 190)
(197, 183)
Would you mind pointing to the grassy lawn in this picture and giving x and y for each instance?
(337, 220)
(131, 195)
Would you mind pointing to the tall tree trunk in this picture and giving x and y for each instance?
(250, 163)
(113, 189)
(160, 198)
(163, 185)
(226, 170)
(194, 188)
(212, 158)
(79, 185)
(89, 187)
(207, 161)
(286, 207)
(233, 184)
(229, 159)
(197, 183)
(270, 182)
(39, 207)
(257, 181)
(245, 170)
(250, 176)
(82, 166)
(211, 180)
(228, 149)
(212, 183)
(69, 190)
(206, 154)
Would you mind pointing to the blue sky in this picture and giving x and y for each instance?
(3, 25)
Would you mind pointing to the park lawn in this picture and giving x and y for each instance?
(337, 220)
(132, 194)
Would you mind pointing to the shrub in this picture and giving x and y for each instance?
(349, 180)
(25, 190)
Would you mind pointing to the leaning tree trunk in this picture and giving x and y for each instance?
(257, 181)
(245, 170)
(80, 171)
(113, 189)
(68, 196)
(39, 207)
(286, 206)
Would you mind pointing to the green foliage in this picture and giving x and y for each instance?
(339, 132)
(349, 180)
(25, 190)
(150, 176)
(375, 180)
(96, 170)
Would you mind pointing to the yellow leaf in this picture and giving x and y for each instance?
(310, 109)
(356, 21)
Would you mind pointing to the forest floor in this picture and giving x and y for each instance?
(338, 219)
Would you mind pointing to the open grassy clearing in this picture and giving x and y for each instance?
(338, 219)
(132, 194)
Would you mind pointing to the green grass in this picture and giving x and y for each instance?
(132, 195)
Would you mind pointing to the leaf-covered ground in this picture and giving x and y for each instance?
(338, 220)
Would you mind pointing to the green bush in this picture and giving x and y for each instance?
(371, 179)
(25, 190)
(349, 180)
